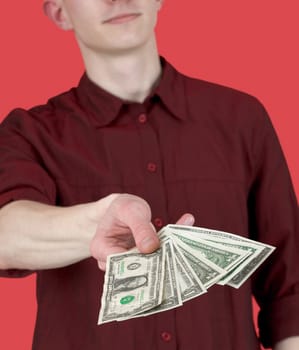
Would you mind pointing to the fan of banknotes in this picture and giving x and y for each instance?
(189, 261)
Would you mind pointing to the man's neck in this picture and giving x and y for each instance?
(130, 76)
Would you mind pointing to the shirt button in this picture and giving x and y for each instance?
(152, 167)
(142, 118)
(158, 222)
(166, 336)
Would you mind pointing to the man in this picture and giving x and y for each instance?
(174, 144)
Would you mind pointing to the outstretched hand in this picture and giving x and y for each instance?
(126, 224)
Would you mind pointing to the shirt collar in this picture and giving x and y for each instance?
(103, 107)
(171, 90)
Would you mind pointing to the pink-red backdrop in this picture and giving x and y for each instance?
(250, 45)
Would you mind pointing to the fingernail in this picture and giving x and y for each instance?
(189, 221)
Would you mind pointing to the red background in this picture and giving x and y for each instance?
(249, 45)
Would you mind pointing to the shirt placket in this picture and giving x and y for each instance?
(156, 196)
(153, 170)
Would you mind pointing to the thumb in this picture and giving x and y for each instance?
(136, 213)
(145, 236)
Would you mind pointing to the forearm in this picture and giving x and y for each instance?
(38, 236)
(291, 343)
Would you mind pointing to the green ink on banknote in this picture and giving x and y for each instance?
(127, 299)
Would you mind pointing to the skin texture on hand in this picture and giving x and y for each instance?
(126, 223)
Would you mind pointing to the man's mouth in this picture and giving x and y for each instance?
(126, 17)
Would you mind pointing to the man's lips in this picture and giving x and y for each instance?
(126, 17)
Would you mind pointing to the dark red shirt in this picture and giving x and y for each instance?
(192, 146)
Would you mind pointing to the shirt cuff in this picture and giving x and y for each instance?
(25, 194)
(279, 320)
(15, 273)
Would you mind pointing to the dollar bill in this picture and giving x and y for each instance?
(208, 272)
(240, 276)
(257, 252)
(189, 261)
(171, 296)
(189, 283)
(224, 257)
(133, 284)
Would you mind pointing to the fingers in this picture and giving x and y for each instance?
(136, 214)
(126, 222)
(127, 217)
(102, 261)
(145, 235)
(186, 219)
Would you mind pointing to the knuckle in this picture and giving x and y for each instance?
(135, 206)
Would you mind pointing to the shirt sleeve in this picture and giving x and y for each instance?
(274, 219)
(22, 175)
